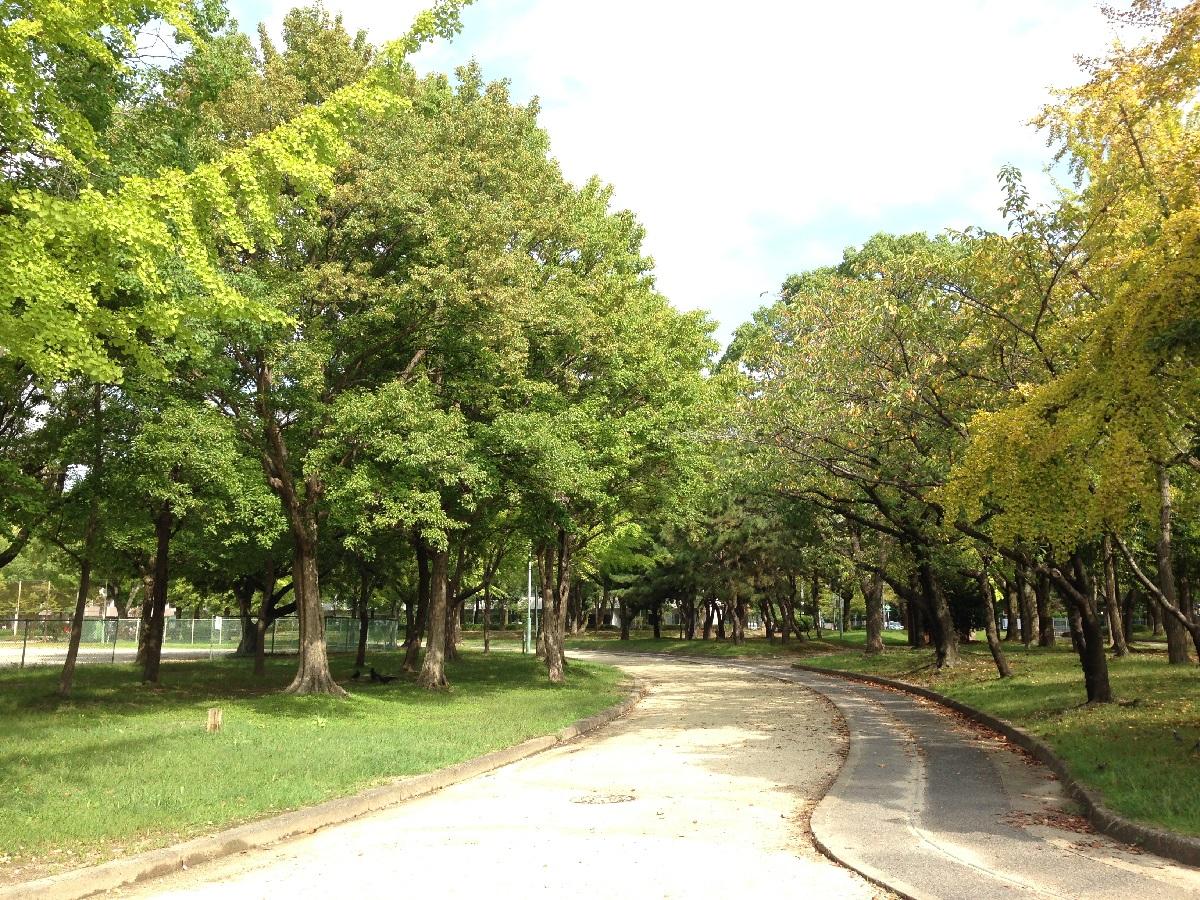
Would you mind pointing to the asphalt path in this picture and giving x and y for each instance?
(936, 807)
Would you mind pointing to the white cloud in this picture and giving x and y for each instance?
(757, 138)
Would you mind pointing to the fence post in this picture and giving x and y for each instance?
(274, 625)
(24, 641)
(192, 640)
(116, 633)
(211, 622)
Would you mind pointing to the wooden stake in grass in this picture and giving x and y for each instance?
(214, 720)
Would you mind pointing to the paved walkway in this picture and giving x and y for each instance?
(704, 791)
(935, 807)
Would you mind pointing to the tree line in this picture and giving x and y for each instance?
(987, 423)
(284, 316)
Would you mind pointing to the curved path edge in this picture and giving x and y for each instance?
(1168, 844)
(79, 883)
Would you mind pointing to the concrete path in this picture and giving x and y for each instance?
(934, 806)
(705, 790)
(702, 791)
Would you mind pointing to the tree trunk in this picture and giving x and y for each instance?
(1085, 629)
(689, 617)
(1116, 625)
(163, 524)
(987, 597)
(814, 602)
(366, 586)
(709, 614)
(874, 599)
(579, 608)
(916, 624)
(785, 620)
(556, 583)
(605, 605)
(1096, 665)
(433, 667)
(91, 532)
(243, 592)
(1177, 643)
(312, 673)
(623, 613)
(120, 599)
(1010, 609)
(147, 611)
(453, 632)
(1076, 629)
(656, 620)
(414, 634)
(944, 636)
(487, 615)
(871, 585)
(67, 679)
(1127, 609)
(266, 609)
(1041, 587)
(1025, 606)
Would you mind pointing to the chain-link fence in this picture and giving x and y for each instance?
(40, 642)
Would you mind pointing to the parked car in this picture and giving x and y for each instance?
(893, 626)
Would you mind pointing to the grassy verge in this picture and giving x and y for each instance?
(122, 768)
(1130, 754)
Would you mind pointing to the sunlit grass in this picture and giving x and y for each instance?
(122, 767)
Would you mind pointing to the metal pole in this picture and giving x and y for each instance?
(528, 611)
(116, 631)
(17, 614)
(192, 639)
(24, 641)
(210, 637)
(274, 625)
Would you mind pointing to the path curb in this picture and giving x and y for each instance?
(79, 883)
(1168, 844)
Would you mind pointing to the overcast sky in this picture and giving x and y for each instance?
(759, 138)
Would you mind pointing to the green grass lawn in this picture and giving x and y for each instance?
(1128, 753)
(121, 768)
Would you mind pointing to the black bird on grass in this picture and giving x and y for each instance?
(376, 678)
(357, 675)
